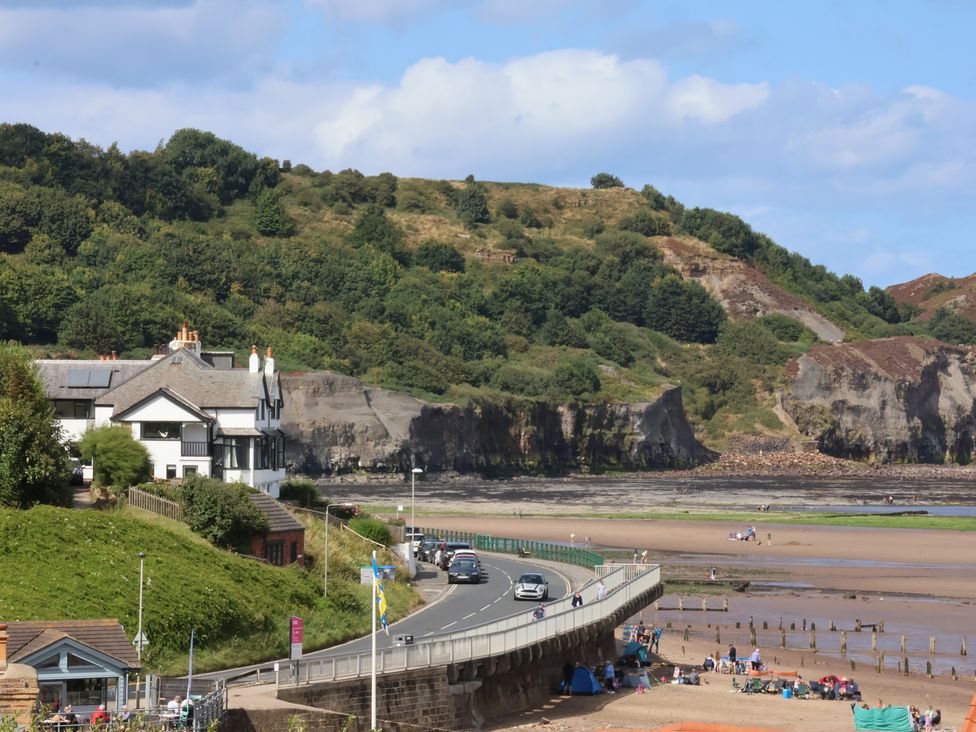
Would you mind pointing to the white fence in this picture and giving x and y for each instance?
(155, 504)
(624, 583)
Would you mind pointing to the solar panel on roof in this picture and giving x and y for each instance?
(78, 378)
(99, 378)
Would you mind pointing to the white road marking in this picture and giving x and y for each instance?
(486, 607)
(469, 615)
(445, 627)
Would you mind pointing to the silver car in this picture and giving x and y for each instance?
(532, 586)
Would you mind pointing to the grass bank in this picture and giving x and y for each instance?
(70, 564)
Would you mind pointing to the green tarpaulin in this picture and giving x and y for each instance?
(893, 719)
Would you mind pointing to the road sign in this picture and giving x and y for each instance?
(141, 640)
(296, 638)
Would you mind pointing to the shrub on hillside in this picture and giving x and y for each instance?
(785, 328)
(438, 256)
(575, 378)
(725, 232)
(373, 529)
(752, 342)
(301, 490)
(606, 180)
(221, 512)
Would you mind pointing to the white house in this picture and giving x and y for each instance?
(191, 409)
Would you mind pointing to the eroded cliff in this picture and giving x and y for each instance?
(337, 424)
(903, 399)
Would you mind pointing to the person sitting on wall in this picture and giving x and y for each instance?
(99, 716)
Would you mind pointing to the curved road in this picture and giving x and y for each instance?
(459, 607)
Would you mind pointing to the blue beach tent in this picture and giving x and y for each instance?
(584, 682)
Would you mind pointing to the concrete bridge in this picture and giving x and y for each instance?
(458, 680)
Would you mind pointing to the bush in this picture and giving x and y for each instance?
(606, 180)
(304, 491)
(373, 529)
(117, 459)
(725, 232)
(785, 328)
(438, 257)
(575, 378)
(221, 512)
(752, 342)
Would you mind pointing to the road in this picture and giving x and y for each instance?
(459, 607)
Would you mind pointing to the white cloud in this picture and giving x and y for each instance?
(139, 43)
(712, 102)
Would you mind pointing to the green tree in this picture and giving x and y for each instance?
(952, 328)
(507, 209)
(683, 310)
(375, 228)
(471, 203)
(117, 459)
(606, 180)
(725, 232)
(270, 217)
(33, 462)
(752, 342)
(221, 512)
(881, 303)
(438, 257)
(575, 378)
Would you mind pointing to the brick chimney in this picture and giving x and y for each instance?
(3, 646)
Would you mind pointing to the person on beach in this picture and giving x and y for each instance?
(733, 657)
(755, 660)
(641, 632)
(609, 675)
(656, 639)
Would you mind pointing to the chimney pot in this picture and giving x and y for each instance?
(3, 646)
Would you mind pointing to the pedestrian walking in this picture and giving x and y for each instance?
(577, 599)
(609, 676)
(656, 638)
(601, 590)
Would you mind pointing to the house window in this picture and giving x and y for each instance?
(276, 552)
(281, 452)
(189, 470)
(261, 454)
(161, 430)
(73, 408)
(274, 453)
(170, 472)
(86, 692)
(235, 453)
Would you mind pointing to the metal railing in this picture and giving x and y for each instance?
(535, 549)
(623, 584)
(209, 708)
(194, 449)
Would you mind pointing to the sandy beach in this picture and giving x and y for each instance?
(920, 582)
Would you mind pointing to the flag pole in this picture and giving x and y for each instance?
(372, 665)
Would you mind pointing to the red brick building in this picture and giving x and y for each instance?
(285, 541)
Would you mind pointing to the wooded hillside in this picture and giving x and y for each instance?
(449, 289)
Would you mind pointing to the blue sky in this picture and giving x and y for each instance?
(844, 130)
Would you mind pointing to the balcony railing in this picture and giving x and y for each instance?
(195, 449)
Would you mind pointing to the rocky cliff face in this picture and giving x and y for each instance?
(337, 424)
(933, 291)
(896, 399)
(744, 292)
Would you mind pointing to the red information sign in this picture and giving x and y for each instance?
(296, 638)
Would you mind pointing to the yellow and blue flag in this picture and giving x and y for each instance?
(380, 596)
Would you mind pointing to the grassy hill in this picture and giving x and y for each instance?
(451, 290)
(63, 564)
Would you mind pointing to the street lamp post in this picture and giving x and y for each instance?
(142, 564)
(325, 589)
(413, 520)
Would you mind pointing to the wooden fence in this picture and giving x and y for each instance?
(155, 504)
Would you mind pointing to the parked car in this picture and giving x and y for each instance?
(464, 570)
(427, 548)
(415, 537)
(466, 554)
(531, 586)
(452, 546)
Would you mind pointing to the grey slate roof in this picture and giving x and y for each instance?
(278, 517)
(54, 374)
(193, 380)
(106, 636)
